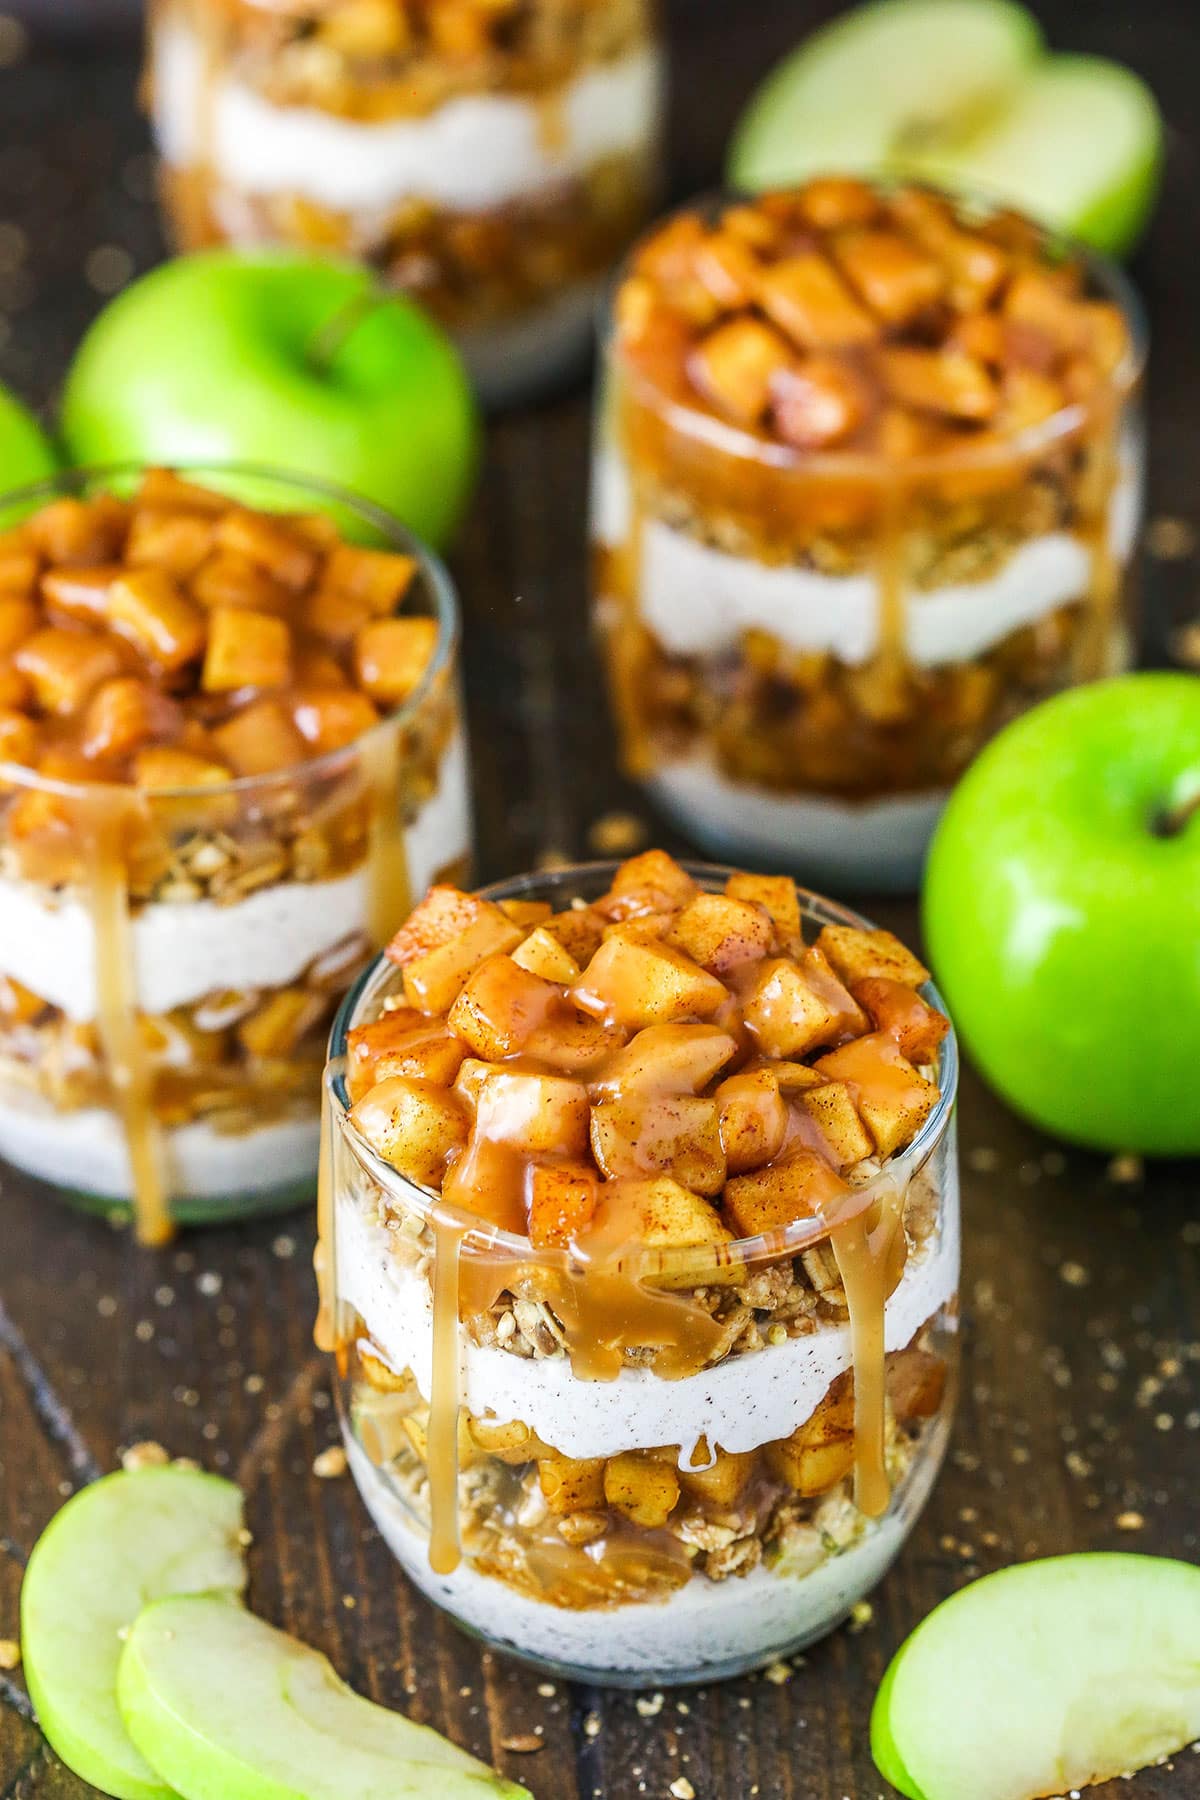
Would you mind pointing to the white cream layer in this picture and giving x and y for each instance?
(743, 1402)
(705, 1627)
(470, 154)
(698, 600)
(185, 950)
(86, 1150)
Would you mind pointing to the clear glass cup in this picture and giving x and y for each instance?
(492, 159)
(652, 1466)
(806, 649)
(170, 960)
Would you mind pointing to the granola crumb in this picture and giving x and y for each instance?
(549, 860)
(245, 1538)
(861, 1615)
(523, 1743)
(1125, 1169)
(283, 1246)
(777, 1673)
(649, 1705)
(144, 1455)
(682, 1788)
(185, 1462)
(1170, 539)
(591, 1725)
(617, 834)
(547, 1690)
(1129, 1521)
(330, 1463)
(10, 1653)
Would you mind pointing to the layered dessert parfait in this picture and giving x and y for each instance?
(492, 157)
(230, 749)
(639, 1258)
(866, 485)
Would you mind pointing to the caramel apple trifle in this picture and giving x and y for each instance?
(230, 748)
(492, 157)
(639, 1257)
(866, 485)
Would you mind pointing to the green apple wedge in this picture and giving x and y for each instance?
(26, 453)
(1044, 1678)
(116, 1544)
(1061, 908)
(228, 1708)
(963, 93)
(298, 363)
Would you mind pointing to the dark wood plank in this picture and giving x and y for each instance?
(1080, 1400)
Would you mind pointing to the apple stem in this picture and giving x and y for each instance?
(1173, 819)
(328, 338)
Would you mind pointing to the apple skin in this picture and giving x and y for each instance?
(211, 359)
(26, 453)
(1064, 932)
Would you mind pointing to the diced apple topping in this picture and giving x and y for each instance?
(222, 610)
(892, 1097)
(859, 955)
(642, 1486)
(840, 316)
(415, 1125)
(793, 1006)
(703, 1074)
(722, 1481)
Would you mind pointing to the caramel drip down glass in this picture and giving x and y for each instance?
(624, 1463)
(170, 959)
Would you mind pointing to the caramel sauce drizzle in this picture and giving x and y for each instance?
(117, 1019)
(389, 889)
(866, 1260)
(328, 1332)
(441, 1461)
(1097, 490)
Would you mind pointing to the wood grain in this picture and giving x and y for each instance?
(1080, 1398)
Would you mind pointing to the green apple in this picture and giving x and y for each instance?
(291, 361)
(116, 1544)
(1042, 1679)
(1062, 913)
(26, 453)
(226, 1706)
(963, 93)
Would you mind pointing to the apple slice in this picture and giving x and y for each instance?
(226, 1706)
(885, 75)
(1077, 144)
(1095, 1657)
(126, 1539)
(960, 92)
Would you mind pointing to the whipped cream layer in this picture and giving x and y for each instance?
(470, 154)
(705, 1628)
(698, 600)
(86, 1149)
(743, 1402)
(185, 950)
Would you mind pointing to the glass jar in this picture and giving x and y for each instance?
(492, 159)
(170, 959)
(640, 1466)
(806, 648)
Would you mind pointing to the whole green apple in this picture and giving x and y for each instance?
(26, 453)
(291, 361)
(1062, 914)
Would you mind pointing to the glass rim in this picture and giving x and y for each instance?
(722, 436)
(787, 1240)
(329, 762)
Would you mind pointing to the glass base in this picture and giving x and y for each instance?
(208, 1209)
(734, 1627)
(528, 357)
(868, 847)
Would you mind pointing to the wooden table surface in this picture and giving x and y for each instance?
(1079, 1419)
